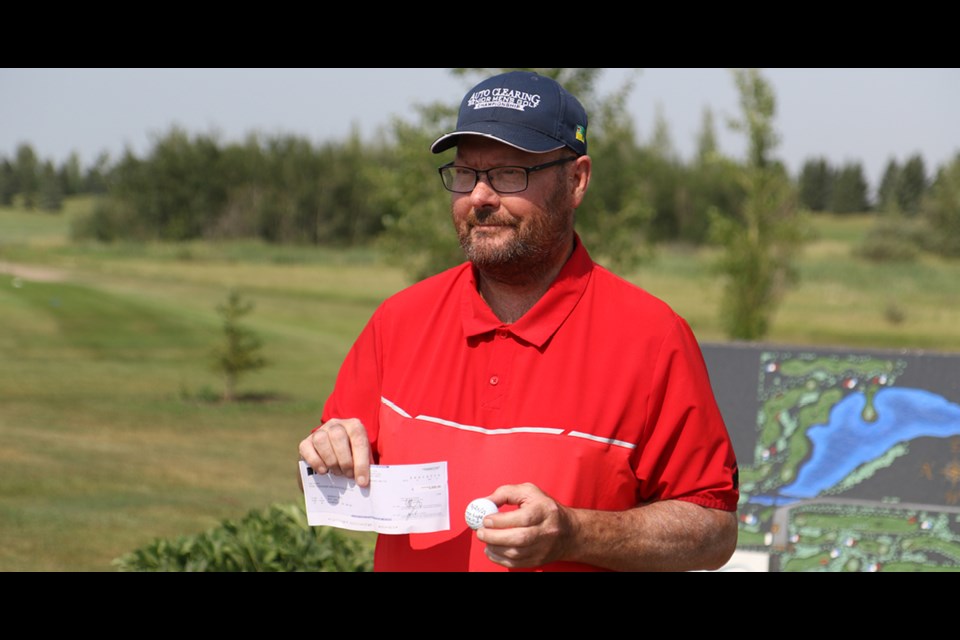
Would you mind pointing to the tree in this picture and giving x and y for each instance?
(615, 217)
(26, 171)
(762, 239)
(49, 188)
(347, 212)
(8, 183)
(418, 235)
(707, 146)
(71, 176)
(709, 187)
(183, 190)
(238, 354)
(849, 194)
(887, 190)
(912, 185)
(903, 187)
(661, 141)
(941, 210)
(816, 184)
(96, 178)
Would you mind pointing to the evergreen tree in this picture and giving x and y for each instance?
(70, 175)
(816, 184)
(8, 183)
(26, 170)
(850, 190)
(238, 354)
(887, 190)
(49, 189)
(912, 185)
(96, 178)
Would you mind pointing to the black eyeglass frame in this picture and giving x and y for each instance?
(477, 172)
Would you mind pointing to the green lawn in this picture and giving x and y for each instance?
(840, 300)
(108, 436)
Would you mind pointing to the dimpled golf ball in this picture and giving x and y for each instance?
(478, 510)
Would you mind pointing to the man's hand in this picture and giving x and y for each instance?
(340, 447)
(536, 533)
(669, 535)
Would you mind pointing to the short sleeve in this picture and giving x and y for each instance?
(686, 452)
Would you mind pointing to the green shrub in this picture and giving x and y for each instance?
(891, 239)
(275, 539)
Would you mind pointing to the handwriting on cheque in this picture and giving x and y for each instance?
(399, 499)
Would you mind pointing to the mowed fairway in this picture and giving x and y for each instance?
(108, 435)
(110, 438)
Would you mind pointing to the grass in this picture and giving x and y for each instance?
(108, 435)
(839, 300)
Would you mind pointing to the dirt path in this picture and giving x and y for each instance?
(33, 273)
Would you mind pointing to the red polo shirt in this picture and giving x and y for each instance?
(598, 395)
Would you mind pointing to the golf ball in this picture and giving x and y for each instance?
(478, 510)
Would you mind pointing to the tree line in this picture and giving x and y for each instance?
(285, 189)
(845, 190)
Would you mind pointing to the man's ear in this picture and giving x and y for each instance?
(580, 175)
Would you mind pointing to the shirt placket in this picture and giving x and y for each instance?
(498, 374)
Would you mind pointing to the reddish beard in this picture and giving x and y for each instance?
(531, 248)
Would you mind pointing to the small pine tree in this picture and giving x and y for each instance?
(239, 351)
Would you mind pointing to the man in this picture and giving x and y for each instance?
(574, 400)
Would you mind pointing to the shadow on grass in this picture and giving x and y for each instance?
(207, 395)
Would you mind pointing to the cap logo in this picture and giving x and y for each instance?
(581, 134)
(503, 98)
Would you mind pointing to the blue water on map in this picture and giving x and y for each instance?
(848, 441)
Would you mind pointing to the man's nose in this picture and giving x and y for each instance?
(483, 192)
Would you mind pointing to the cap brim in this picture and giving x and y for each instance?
(518, 137)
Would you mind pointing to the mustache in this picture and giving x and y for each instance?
(488, 216)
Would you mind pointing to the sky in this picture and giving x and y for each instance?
(845, 115)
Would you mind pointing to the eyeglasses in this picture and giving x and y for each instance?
(460, 179)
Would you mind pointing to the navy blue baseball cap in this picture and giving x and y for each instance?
(524, 110)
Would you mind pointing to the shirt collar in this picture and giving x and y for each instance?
(539, 323)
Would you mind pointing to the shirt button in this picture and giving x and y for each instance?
(494, 380)
(502, 333)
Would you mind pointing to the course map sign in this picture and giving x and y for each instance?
(849, 460)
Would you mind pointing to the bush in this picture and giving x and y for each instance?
(275, 539)
(108, 222)
(891, 239)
